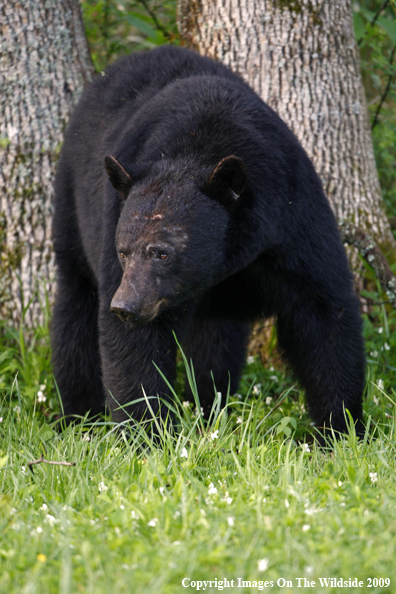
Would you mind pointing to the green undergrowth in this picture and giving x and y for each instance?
(244, 495)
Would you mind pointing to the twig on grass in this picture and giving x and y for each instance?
(42, 460)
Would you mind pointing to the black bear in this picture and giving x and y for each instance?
(185, 205)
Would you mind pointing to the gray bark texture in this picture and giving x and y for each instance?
(301, 57)
(44, 64)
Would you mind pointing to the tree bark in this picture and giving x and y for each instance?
(301, 57)
(44, 64)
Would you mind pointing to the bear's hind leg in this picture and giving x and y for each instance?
(218, 348)
(75, 349)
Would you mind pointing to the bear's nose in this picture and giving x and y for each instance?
(123, 308)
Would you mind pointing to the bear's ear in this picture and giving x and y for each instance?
(119, 177)
(228, 179)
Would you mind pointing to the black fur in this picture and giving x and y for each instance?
(206, 215)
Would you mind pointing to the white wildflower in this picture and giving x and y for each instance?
(117, 531)
(121, 506)
(17, 409)
(177, 514)
(102, 487)
(376, 400)
(306, 527)
(41, 397)
(262, 565)
(153, 522)
(380, 384)
(39, 530)
(212, 489)
(231, 520)
(256, 389)
(250, 360)
(380, 330)
(287, 504)
(134, 515)
(44, 506)
(373, 476)
(239, 420)
(184, 453)
(268, 400)
(51, 520)
(86, 437)
(214, 435)
(1, 419)
(386, 347)
(305, 447)
(274, 378)
(186, 404)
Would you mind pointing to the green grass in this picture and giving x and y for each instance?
(244, 495)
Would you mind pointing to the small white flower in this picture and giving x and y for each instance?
(339, 483)
(380, 330)
(177, 514)
(308, 570)
(134, 515)
(39, 530)
(176, 542)
(376, 400)
(186, 404)
(287, 504)
(51, 520)
(17, 409)
(373, 476)
(231, 520)
(196, 414)
(121, 506)
(342, 504)
(202, 512)
(274, 378)
(161, 490)
(153, 522)
(117, 531)
(386, 347)
(41, 397)
(23, 470)
(212, 489)
(1, 419)
(44, 506)
(374, 354)
(86, 437)
(262, 565)
(268, 400)
(239, 420)
(250, 360)
(305, 447)
(102, 487)
(380, 384)
(256, 389)
(306, 527)
(214, 435)
(42, 387)
(184, 453)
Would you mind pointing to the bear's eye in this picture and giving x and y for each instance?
(158, 253)
(122, 256)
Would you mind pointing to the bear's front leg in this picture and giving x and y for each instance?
(129, 355)
(322, 341)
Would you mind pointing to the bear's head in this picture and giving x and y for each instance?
(171, 236)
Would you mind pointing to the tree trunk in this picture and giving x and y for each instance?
(44, 64)
(301, 57)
